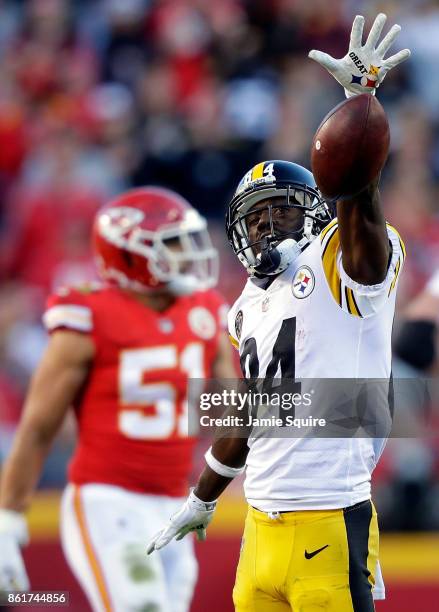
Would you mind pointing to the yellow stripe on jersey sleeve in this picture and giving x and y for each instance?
(329, 260)
(258, 171)
(326, 229)
(234, 342)
(395, 278)
(351, 303)
(355, 300)
(401, 241)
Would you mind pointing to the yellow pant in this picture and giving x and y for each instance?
(310, 561)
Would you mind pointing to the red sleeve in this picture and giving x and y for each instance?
(69, 309)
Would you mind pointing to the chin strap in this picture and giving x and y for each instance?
(273, 260)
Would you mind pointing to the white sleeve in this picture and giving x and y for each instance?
(356, 299)
(70, 316)
(371, 298)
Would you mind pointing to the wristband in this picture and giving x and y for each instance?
(14, 523)
(220, 468)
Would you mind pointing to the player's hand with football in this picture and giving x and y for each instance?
(363, 68)
(13, 535)
(194, 515)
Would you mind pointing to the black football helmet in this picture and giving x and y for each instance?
(295, 187)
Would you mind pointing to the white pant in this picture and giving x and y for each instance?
(104, 532)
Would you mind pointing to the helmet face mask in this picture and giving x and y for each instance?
(272, 220)
(179, 252)
(151, 239)
(265, 199)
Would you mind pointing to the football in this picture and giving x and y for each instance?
(350, 147)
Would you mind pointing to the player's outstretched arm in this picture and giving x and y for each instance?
(227, 449)
(225, 459)
(55, 384)
(364, 67)
(363, 237)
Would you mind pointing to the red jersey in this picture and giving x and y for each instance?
(132, 413)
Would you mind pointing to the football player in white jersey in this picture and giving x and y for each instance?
(319, 303)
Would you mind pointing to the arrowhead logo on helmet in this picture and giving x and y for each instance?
(151, 238)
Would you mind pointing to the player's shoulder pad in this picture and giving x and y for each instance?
(71, 308)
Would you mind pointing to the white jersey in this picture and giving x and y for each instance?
(315, 322)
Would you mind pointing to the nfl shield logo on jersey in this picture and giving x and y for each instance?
(303, 282)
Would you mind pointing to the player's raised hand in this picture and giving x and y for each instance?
(13, 535)
(194, 515)
(363, 68)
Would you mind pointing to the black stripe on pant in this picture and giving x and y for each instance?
(357, 521)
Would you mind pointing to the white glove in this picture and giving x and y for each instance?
(194, 515)
(13, 535)
(363, 68)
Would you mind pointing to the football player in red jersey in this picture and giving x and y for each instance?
(121, 354)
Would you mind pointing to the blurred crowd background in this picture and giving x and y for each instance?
(97, 96)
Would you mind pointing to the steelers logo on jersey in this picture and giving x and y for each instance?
(202, 323)
(303, 282)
